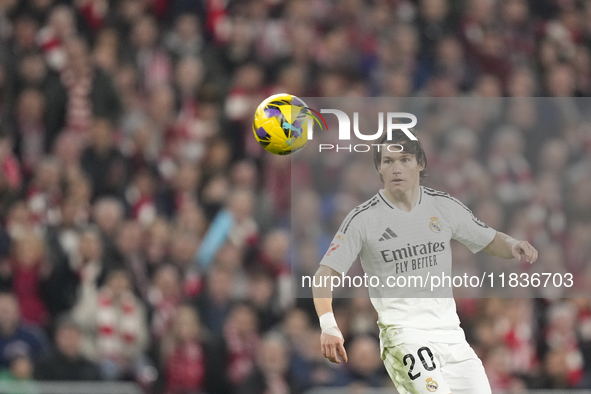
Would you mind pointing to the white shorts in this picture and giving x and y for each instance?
(422, 367)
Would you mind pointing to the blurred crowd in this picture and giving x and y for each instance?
(146, 235)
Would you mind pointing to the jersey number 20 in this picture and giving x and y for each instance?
(410, 357)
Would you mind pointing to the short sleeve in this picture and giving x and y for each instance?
(468, 229)
(345, 245)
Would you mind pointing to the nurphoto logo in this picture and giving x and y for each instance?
(345, 130)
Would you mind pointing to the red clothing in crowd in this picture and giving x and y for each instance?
(12, 171)
(25, 285)
(185, 369)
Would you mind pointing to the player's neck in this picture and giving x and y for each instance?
(405, 201)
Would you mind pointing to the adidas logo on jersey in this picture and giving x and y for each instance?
(388, 234)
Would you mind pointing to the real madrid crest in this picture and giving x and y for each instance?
(434, 225)
(432, 385)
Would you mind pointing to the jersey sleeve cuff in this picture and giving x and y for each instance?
(333, 266)
(491, 235)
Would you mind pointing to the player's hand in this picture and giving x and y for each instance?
(333, 348)
(524, 248)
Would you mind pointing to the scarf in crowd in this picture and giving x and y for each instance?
(164, 312)
(241, 354)
(79, 110)
(117, 325)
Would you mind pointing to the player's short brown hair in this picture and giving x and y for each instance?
(409, 146)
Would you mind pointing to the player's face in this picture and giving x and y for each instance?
(400, 171)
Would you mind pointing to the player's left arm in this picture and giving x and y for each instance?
(508, 247)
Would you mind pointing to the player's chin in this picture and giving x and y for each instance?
(397, 186)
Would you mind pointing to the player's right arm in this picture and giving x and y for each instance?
(331, 339)
(339, 257)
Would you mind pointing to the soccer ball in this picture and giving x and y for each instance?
(281, 124)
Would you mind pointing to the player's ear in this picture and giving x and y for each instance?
(379, 168)
(420, 165)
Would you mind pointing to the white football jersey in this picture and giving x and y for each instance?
(392, 243)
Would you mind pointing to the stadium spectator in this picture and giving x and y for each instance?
(30, 129)
(560, 81)
(114, 327)
(271, 372)
(295, 325)
(244, 230)
(26, 277)
(262, 293)
(151, 60)
(140, 196)
(214, 194)
(108, 214)
(44, 194)
(85, 92)
(191, 219)
(274, 252)
(107, 51)
(188, 139)
(545, 210)
(128, 251)
(17, 338)
(157, 243)
(23, 38)
(583, 307)
(577, 246)
(20, 220)
(103, 162)
(19, 376)
(214, 302)
(183, 247)
(184, 355)
(186, 38)
(460, 165)
(62, 242)
(32, 73)
(365, 369)
(561, 340)
(66, 362)
(183, 190)
(67, 151)
(241, 342)
(522, 83)
(309, 368)
(11, 168)
(498, 370)
(164, 298)
(61, 25)
(161, 123)
(509, 168)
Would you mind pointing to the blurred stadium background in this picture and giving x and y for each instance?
(145, 235)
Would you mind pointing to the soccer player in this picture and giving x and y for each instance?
(405, 229)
